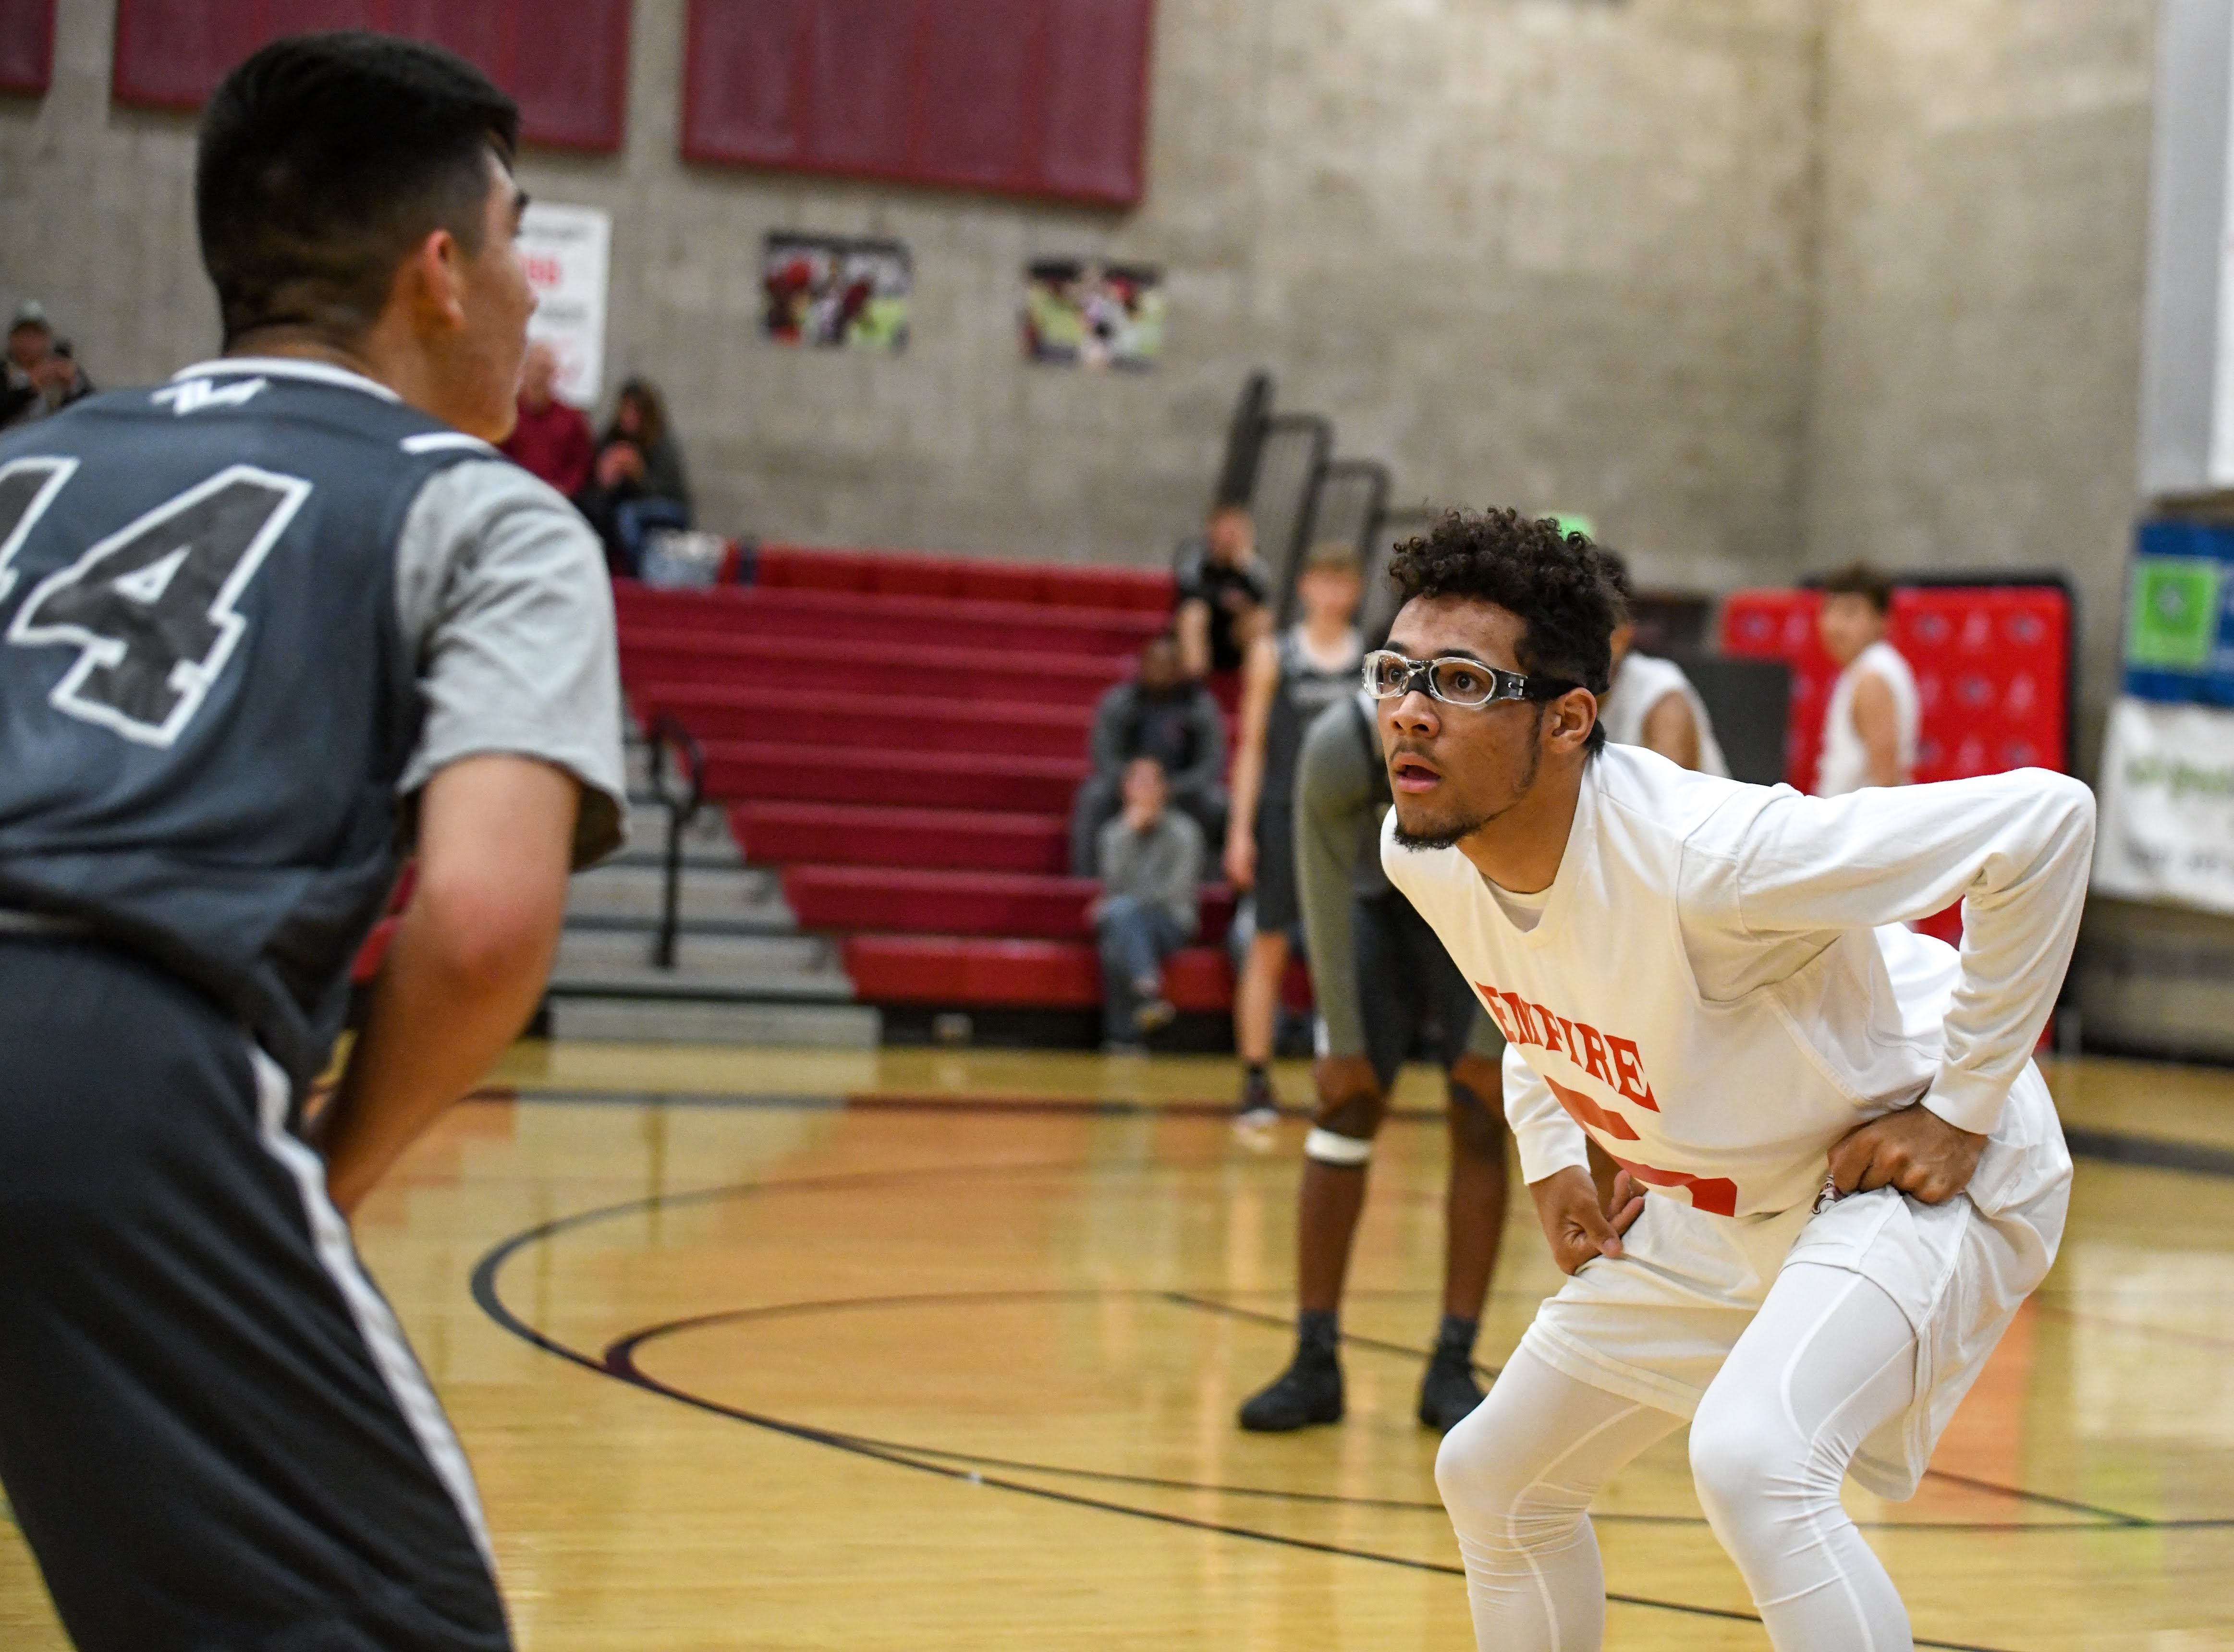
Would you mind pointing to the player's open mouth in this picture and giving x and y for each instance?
(1414, 774)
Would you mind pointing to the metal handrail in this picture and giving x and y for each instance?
(674, 746)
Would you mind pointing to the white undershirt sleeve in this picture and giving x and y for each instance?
(2014, 848)
(1548, 1139)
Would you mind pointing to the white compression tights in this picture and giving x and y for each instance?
(1827, 1360)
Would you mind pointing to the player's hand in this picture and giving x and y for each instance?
(1914, 1149)
(1579, 1228)
(1241, 860)
(1340, 1080)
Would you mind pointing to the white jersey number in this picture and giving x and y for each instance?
(151, 608)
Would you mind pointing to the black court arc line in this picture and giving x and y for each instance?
(621, 1352)
(487, 1297)
(647, 1204)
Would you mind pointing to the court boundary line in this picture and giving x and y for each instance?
(2104, 1146)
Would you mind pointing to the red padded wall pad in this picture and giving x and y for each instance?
(27, 46)
(1029, 97)
(1992, 666)
(564, 61)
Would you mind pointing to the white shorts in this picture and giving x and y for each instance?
(1654, 1324)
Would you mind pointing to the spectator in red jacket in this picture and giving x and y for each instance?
(552, 440)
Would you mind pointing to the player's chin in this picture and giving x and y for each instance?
(1421, 826)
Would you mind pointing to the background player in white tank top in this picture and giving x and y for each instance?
(1869, 727)
(1650, 703)
(1841, 1174)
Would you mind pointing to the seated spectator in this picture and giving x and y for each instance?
(636, 480)
(30, 337)
(552, 440)
(1151, 859)
(1162, 713)
(62, 381)
(1223, 593)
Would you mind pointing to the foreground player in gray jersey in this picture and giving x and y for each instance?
(260, 630)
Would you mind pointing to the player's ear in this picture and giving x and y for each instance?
(431, 281)
(1569, 720)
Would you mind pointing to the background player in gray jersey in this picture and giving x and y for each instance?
(260, 630)
(1379, 975)
(1288, 681)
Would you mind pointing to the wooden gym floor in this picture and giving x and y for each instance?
(929, 1350)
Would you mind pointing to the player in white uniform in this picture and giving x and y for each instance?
(1869, 727)
(1841, 1173)
(1650, 701)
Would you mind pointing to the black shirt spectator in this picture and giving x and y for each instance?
(1223, 593)
(1162, 713)
(30, 337)
(636, 482)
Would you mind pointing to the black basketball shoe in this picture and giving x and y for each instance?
(1447, 1392)
(1308, 1392)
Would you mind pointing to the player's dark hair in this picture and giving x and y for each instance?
(1616, 574)
(1556, 583)
(1859, 579)
(324, 160)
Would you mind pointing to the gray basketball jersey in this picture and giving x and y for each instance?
(207, 699)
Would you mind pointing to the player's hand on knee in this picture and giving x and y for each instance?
(1578, 1226)
(1341, 1079)
(1913, 1150)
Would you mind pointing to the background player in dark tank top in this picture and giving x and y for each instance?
(260, 630)
(1288, 682)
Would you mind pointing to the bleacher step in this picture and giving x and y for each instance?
(707, 841)
(703, 963)
(654, 1021)
(731, 900)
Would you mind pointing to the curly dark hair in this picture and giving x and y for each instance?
(1558, 583)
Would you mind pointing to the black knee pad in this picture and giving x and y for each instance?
(1476, 1127)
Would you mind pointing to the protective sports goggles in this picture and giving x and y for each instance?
(1454, 681)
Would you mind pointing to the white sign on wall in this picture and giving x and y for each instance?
(2168, 827)
(568, 251)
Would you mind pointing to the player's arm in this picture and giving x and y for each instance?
(1581, 1220)
(1671, 730)
(2014, 848)
(1877, 720)
(503, 597)
(1191, 624)
(1260, 678)
(496, 836)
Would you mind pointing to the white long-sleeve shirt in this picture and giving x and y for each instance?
(1719, 986)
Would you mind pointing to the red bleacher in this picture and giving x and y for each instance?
(902, 735)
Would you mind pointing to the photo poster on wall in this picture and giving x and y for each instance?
(1081, 312)
(568, 254)
(836, 293)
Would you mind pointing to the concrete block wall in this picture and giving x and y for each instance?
(1547, 252)
(1976, 373)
